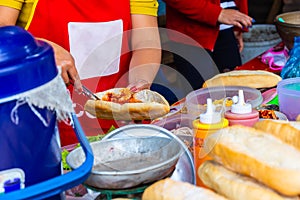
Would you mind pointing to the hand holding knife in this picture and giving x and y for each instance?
(87, 92)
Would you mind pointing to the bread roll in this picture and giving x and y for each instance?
(168, 189)
(151, 105)
(235, 186)
(298, 118)
(248, 78)
(255, 153)
(288, 132)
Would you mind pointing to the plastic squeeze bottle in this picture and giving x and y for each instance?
(242, 113)
(208, 123)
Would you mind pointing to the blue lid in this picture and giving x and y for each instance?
(25, 63)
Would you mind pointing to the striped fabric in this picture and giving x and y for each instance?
(227, 4)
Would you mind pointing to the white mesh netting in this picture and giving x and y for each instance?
(53, 95)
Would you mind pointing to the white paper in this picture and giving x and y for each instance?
(96, 47)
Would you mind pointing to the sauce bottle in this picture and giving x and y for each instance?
(242, 113)
(208, 123)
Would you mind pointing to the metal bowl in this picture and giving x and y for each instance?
(288, 27)
(127, 162)
(184, 169)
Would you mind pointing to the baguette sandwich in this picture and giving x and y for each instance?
(257, 154)
(235, 186)
(288, 132)
(168, 189)
(122, 104)
(248, 78)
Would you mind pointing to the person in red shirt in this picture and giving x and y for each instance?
(214, 25)
(110, 43)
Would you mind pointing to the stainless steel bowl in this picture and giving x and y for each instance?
(127, 162)
(184, 169)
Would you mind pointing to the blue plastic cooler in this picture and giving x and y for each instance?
(30, 166)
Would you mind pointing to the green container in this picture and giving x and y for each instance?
(274, 101)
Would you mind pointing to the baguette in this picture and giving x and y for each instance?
(168, 189)
(255, 153)
(235, 186)
(248, 78)
(298, 118)
(148, 105)
(288, 132)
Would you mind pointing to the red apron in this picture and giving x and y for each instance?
(51, 20)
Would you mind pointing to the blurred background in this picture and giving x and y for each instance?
(261, 37)
(263, 11)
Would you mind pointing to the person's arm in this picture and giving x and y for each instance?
(146, 55)
(8, 16)
(65, 60)
(239, 37)
(202, 11)
(234, 17)
(206, 12)
(243, 7)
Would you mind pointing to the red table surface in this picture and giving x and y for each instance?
(257, 64)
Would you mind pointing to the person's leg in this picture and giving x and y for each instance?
(165, 91)
(226, 52)
(194, 63)
(186, 69)
(192, 66)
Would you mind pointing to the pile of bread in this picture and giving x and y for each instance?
(260, 162)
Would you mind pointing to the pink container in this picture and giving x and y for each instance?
(289, 97)
(175, 121)
(248, 119)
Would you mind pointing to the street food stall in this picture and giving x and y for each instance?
(230, 149)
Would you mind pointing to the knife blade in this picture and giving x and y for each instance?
(87, 92)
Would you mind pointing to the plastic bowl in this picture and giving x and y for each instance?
(180, 124)
(196, 100)
(289, 97)
(175, 121)
(288, 27)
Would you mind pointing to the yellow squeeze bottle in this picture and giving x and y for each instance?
(208, 123)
